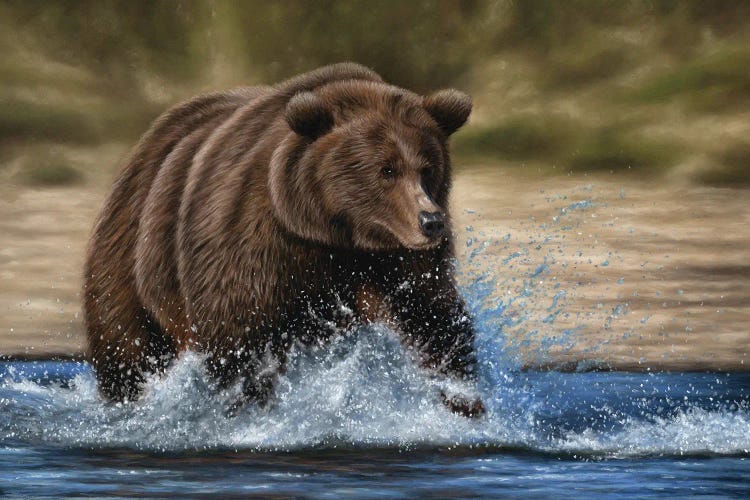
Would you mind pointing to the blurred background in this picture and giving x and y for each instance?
(609, 149)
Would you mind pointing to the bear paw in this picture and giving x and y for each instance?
(461, 405)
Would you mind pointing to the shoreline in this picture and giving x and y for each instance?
(593, 271)
(79, 357)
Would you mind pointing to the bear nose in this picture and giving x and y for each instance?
(431, 224)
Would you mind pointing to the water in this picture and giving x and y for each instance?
(358, 418)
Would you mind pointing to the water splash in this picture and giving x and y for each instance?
(365, 390)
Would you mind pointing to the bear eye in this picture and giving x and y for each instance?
(388, 172)
(426, 180)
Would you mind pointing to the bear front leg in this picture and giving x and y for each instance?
(433, 320)
(254, 361)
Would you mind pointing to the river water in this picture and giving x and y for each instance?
(359, 419)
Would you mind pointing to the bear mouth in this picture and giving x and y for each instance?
(405, 241)
(425, 246)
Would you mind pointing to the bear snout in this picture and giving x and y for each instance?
(432, 224)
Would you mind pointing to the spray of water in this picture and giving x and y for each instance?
(364, 390)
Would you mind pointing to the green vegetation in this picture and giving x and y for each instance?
(516, 138)
(418, 44)
(732, 169)
(585, 65)
(721, 78)
(23, 120)
(48, 169)
(615, 149)
(566, 143)
(566, 84)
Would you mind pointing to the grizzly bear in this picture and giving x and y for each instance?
(255, 219)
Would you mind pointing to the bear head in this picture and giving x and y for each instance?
(365, 165)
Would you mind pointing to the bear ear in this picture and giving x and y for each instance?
(308, 115)
(449, 108)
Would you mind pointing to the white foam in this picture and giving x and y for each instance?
(363, 390)
(691, 431)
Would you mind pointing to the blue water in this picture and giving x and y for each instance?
(359, 419)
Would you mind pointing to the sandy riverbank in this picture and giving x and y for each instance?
(592, 270)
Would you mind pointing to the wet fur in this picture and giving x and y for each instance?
(236, 230)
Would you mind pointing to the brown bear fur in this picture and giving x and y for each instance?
(248, 220)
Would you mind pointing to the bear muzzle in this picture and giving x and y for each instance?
(432, 224)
